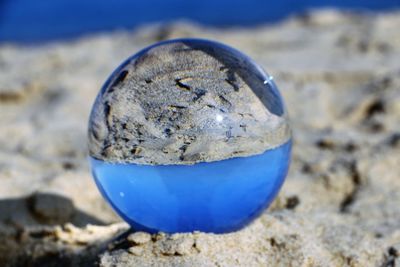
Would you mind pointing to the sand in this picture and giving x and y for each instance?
(340, 206)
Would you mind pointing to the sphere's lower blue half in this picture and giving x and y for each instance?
(220, 196)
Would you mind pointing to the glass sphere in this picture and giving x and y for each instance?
(189, 135)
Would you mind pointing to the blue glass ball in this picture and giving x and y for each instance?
(189, 135)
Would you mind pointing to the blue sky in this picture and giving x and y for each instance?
(42, 20)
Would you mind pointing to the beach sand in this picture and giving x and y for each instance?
(340, 205)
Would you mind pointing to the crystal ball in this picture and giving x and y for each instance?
(189, 135)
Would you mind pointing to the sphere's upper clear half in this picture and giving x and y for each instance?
(186, 101)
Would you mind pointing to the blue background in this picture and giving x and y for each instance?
(43, 20)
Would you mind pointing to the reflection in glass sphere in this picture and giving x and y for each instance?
(189, 135)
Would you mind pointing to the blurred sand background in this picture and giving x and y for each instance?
(340, 206)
